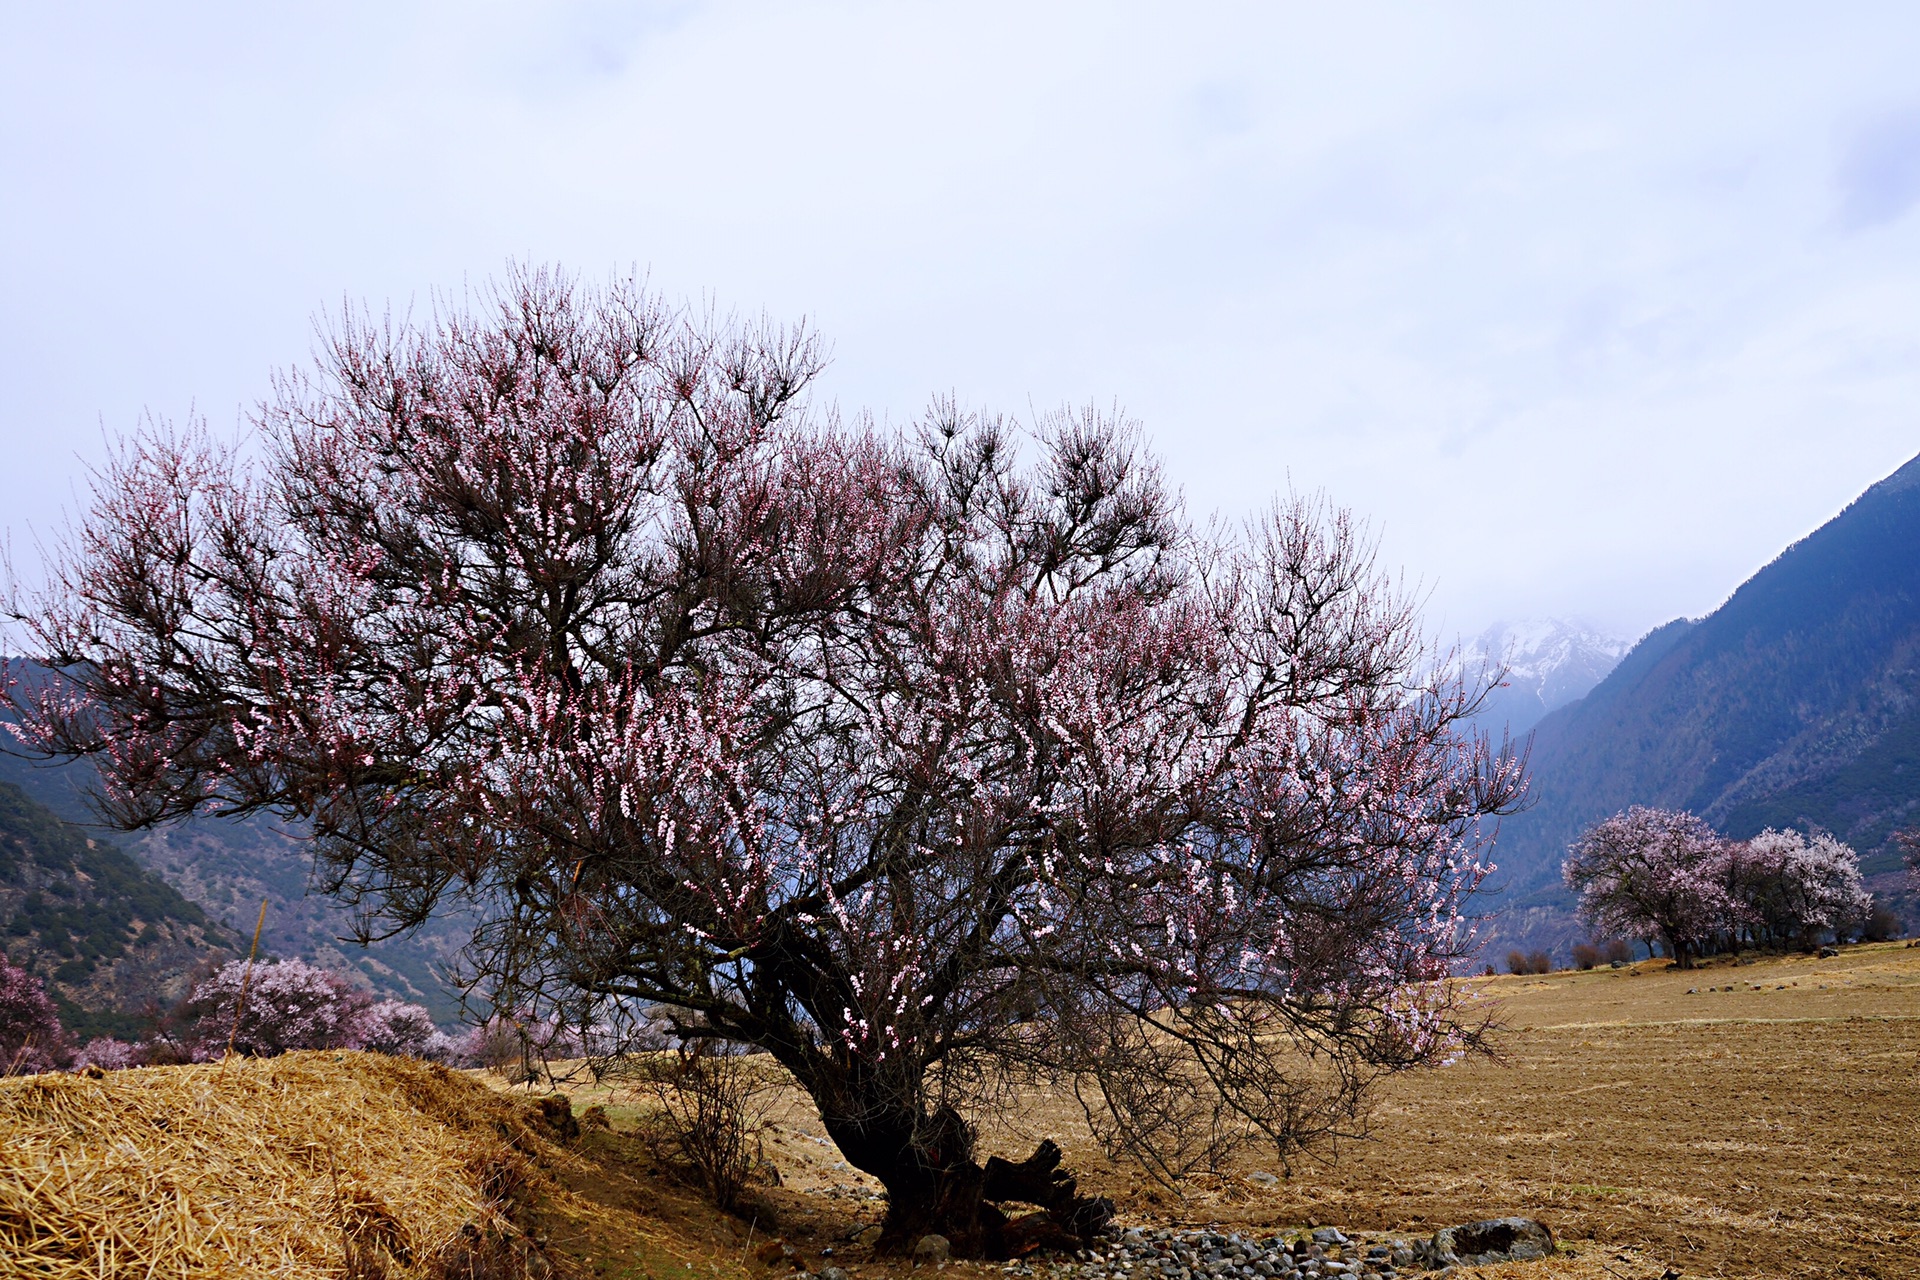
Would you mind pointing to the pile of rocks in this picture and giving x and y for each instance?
(1139, 1254)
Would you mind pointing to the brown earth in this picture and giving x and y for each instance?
(1771, 1130)
(1652, 1117)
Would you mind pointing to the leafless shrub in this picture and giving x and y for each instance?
(1517, 962)
(712, 1115)
(1539, 962)
(1880, 925)
(1586, 955)
(502, 1047)
(1619, 949)
(1171, 1126)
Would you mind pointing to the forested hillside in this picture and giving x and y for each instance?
(110, 939)
(226, 868)
(1796, 703)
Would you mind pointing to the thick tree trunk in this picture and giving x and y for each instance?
(936, 1187)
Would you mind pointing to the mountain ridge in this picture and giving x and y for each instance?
(111, 941)
(1795, 703)
(1548, 662)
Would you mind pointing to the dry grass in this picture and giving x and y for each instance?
(1770, 1131)
(315, 1164)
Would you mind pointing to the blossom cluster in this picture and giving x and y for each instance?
(267, 1009)
(890, 752)
(1657, 873)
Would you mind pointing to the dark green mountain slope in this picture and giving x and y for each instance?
(1795, 703)
(108, 937)
(226, 868)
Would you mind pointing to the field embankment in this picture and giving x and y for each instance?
(322, 1165)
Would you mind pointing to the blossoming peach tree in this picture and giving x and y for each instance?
(929, 762)
(1653, 873)
(1663, 873)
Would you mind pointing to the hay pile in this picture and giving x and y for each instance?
(314, 1164)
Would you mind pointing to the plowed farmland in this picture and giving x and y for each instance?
(1653, 1118)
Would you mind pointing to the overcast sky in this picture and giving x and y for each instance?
(1591, 313)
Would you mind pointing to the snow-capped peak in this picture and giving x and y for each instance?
(1550, 662)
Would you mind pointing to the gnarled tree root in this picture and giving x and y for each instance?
(967, 1209)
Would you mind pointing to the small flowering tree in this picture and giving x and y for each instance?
(400, 1029)
(31, 1038)
(290, 1005)
(1654, 873)
(110, 1054)
(1794, 889)
(924, 761)
(1909, 842)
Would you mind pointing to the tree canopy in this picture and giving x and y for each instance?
(1660, 873)
(924, 760)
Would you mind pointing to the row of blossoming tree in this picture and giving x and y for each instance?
(1666, 875)
(928, 761)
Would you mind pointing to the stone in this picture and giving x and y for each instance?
(1328, 1235)
(1494, 1240)
(931, 1250)
(834, 1273)
(866, 1236)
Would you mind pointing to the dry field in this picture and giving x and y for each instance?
(1653, 1118)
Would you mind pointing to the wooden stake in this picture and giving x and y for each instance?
(246, 978)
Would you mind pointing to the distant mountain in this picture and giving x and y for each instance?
(1550, 662)
(1796, 703)
(225, 868)
(110, 939)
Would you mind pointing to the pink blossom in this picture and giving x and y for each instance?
(31, 1038)
(908, 756)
